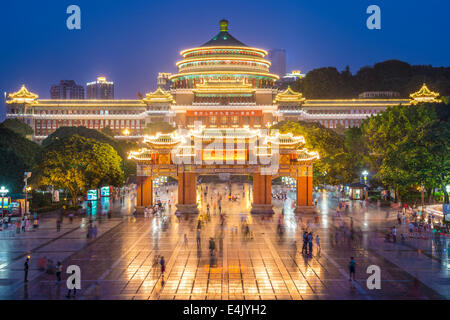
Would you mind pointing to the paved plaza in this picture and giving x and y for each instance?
(122, 261)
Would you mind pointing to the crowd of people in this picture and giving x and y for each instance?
(15, 226)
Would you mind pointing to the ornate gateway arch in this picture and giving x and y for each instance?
(186, 154)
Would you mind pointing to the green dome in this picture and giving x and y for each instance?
(223, 38)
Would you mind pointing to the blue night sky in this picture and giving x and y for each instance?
(129, 42)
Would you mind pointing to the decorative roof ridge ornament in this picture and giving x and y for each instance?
(22, 96)
(424, 95)
(289, 95)
(223, 38)
(223, 25)
(159, 96)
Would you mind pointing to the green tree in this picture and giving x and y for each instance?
(107, 131)
(390, 75)
(336, 165)
(77, 164)
(409, 145)
(19, 127)
(322, 83)
(121, 146)
(17, 155)
(428, 156)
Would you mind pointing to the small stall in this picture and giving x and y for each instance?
(357, 191)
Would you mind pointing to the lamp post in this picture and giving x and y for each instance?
(126, 132)
(3, 192)
(422, 189)
(27, 175)
(365, 174)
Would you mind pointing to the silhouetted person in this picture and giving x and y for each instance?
(25, 269)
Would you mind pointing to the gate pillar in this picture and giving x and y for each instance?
(262, 194)
(144, 193)
(305, 190)
(187, 193)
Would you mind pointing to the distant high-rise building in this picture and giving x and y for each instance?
(67, 89)
(100, 89)
(163, 80)
(278, 59)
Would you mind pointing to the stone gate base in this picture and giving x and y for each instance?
(262, 209)
(187, 208)
(306, 210)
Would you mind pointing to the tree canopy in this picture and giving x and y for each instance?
(408, 147)
(121, 146)
(390, 75)
(18, 126)
(17, 155)
(336, 164)
(77, 164)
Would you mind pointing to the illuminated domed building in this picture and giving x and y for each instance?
(224, 83)
(225, 95)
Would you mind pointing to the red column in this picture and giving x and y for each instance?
(144, 192)
(305, 190)
(187, 193)
(262, 194)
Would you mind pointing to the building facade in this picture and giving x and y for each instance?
(221, 84)
(101, 89)
(278, 59)
(67, 89)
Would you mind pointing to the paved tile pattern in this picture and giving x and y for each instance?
(122, 263)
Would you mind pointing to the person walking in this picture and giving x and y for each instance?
(23, 224)
(394, 234)
(352, 269)
(185, 240)
(318, 243)
(310, 243)
(212, 245)
(162, 262)
(25, 269)
(58, 225)
(198, 238)
(58, 272)
(305, 243)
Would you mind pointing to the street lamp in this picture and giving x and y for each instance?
(422, 189)
(365, 174)
(27, 175)
(3, 193)
(126, 132)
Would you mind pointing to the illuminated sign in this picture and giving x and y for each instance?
(15, 204)
(105, 191)
(5, 203)
(92, 195)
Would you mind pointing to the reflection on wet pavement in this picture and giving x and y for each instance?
(258, 262)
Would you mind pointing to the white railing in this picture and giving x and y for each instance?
(319, 116)
(142, 115)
